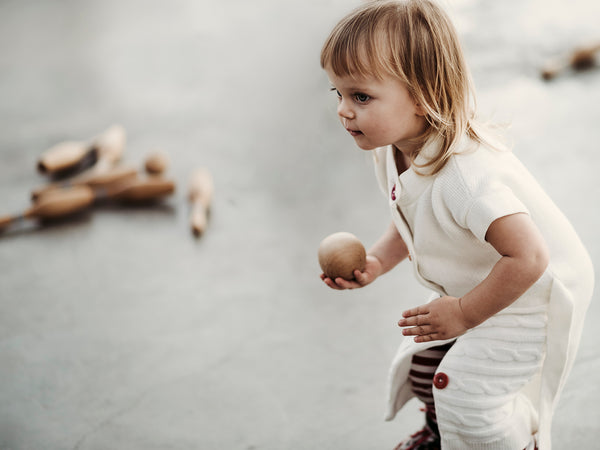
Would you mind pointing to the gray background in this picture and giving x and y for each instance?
(119, 330)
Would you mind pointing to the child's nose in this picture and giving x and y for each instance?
(344, 110)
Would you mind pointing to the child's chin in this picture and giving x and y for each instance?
(366, 147)
(364, 143)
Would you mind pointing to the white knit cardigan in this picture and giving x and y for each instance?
(443, 219)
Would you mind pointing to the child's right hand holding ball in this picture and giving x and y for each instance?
(345, 263)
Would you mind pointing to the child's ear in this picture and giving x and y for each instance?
(420, 109)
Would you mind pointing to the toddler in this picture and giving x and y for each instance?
(490, 352)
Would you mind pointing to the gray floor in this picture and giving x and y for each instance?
(119, 330)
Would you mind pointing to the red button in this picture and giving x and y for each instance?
(394, 192)
(440, 380)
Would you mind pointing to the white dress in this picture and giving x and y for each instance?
(505, 375)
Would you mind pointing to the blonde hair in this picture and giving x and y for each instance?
(415, 41)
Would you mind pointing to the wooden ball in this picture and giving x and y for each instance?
(340, 254)
(156, 163)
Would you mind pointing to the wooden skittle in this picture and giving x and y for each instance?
(94, 178)
(580, 59)
(55, 204)
(110, 144)
(105, 149)
(65, 156)
(128, 188)
(139, 190)
(61, 202)
(200, 195)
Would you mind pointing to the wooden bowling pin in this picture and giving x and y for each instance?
(200, 194)
(94, 178)
(65, 156)
(138, 190)
(72, 155)
(55, 204)
(61, 202)
(580, 59)
(129, 189)
(110, 145)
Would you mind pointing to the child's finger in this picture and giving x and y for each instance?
(361, 278)
(420, 310)
(409, 313)
(428, 338)
(420, 330)
(339, 283)
(345, 284)
(329, 282)
(419, 319)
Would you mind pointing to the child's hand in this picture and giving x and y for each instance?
(361, 279)
(440, 319)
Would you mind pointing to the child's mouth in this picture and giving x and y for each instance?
(353, 132)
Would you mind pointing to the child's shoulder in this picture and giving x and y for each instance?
(476, 168)
(475, 161)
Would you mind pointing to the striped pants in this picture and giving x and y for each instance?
(422, 371)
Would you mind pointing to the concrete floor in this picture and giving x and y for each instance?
(119, 330)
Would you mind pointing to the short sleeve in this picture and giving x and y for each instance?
(495, 202)
(476, 191)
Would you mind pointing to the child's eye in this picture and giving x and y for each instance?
(338, 93)
(361, 98)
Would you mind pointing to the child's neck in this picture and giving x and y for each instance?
(402, 161)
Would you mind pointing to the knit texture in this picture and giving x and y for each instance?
(482, 406)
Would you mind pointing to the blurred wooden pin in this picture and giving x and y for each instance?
(94, 178)
(581, 58)
(110, 146)
(138, 190)
(55, 204)
(200, 195)
(66, 156)
(71, 156)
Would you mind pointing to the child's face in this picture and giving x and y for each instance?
(377, 112)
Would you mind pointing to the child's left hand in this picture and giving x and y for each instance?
(440, 319)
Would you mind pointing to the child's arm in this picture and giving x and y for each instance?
(385, 254)
(524, 259)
